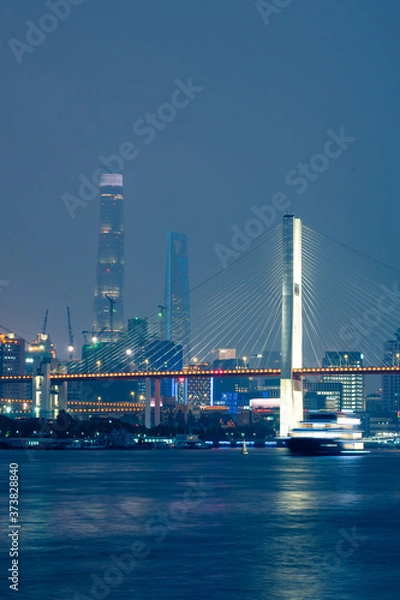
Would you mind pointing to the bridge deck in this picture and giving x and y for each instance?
(195, 373)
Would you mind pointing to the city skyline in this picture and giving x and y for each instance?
(224, 153)
(200, 252)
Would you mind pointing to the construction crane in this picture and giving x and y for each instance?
(13, 333)
(46, 316)
(70, 335)
(6, 329)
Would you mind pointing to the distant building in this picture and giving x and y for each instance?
(164, 356)
(374, 404)
(352, 385)
(322, 395)
(138, 332)
(12, 362)
(391, 383)
(199, 389)
(109, 289)
(265, 412)
(224, 353)
(229, 363)
(177, 298)
(230, 391)
(265, 360)
(42, 350)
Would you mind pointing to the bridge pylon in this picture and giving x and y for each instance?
(291, 402)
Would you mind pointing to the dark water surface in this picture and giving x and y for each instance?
(206, 525)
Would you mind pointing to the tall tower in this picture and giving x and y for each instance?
(292, 324)
(177, 300)
(109, 289)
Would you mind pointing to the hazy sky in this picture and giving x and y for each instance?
(271, 94)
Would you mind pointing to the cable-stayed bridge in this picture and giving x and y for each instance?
(293, 291)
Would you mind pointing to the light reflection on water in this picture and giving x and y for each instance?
(267, 525)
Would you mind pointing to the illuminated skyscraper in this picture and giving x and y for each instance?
(177, 300)
(352, 385)
(109, 289)
(391, 383)
(11, 363)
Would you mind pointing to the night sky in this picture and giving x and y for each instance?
(271, 94)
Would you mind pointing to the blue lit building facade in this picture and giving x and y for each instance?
(108, 319)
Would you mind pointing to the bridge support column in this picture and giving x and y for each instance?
(45, 405)
(147, 408)
(157, 398)
(36, 394)
(63, 396)
(291, 402)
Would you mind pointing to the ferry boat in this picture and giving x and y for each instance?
(190, 442)
(327, 433)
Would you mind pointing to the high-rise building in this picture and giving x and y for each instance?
(199, 389)
(108, 319)
(391, 383)
(229, 391)
(12, 362)
(322, 395)
(177, 299)
(138, 332)
(352, 385)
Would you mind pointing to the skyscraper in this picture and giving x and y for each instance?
(109, 289)
(352, 385)
(177, 300)
(12, 362)
(391, 383)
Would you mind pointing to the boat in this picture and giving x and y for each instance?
(244, 448)
(190, 442)
(327, 433)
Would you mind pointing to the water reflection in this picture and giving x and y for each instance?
(268, 526)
